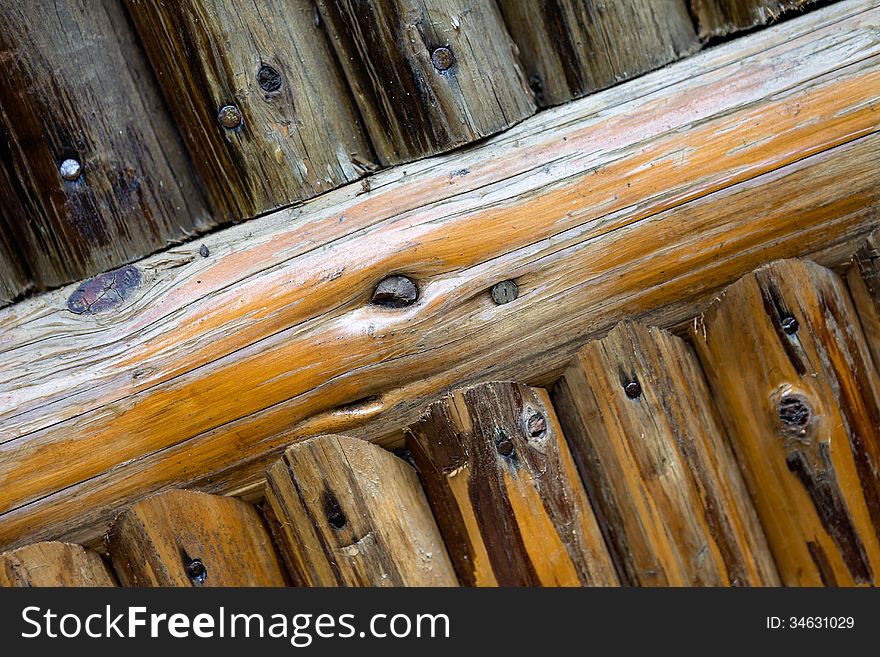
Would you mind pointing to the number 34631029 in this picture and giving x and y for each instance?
(811, 622)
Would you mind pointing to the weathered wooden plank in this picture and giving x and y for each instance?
(261, 104)
(863, 280)
(185, 538)
(787, 361)
(92, 175)
(53, 564)
(654, 457)
(570, 48)
(14, 279)
(427, 76)
(349, 513)
(505, 491)
(721, 17)
(614, 225)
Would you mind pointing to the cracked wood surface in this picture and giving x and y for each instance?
(640, 201)
(786, 358)
(346, 512)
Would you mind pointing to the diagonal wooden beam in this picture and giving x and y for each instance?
(640, 201)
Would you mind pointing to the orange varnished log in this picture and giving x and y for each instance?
(53, 564)
(505, 491)
(788, 363)
(654, 457)
(185, 538)
(655, 194)
(349, 513)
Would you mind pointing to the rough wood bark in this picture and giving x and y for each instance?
(427, 76)
(788, 363)
(296, 134)
(863, 279)
(505, 492)
(349, 513)
(53, 564)
(570, 48)
(74, 87)
(721, 17)
(655, 460)
(650, 197)
(185, 538)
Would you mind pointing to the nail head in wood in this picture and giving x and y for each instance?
(229, 117)
(795, 413)
(70, 169)
(504, 292)
(633, 389)
(395, 292)
(196, 571)
(268, 78)
(442, 58)
(204, 251)
(789, 325)
(503, 443)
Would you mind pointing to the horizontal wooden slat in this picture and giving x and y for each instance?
(53, 564)
(722, 17)
(646, 199)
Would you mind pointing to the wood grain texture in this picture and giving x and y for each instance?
(788, 363)
(14, 278)
(53, 564)
(505, 491)
(652, 196)
(349, 513)
(74, 85)
(186, 538)
(411, 107)
(863, 280)
(655, 460)
(299, 133)
(570, 48)
(716, 18)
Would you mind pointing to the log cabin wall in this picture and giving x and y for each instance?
(356, 310)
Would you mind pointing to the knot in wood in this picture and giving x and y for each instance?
(229, 117)
(70, 169)
(504, 292)
(395, 292)
(268, 78)
(795, 412)
(442, 58)
(196, 571)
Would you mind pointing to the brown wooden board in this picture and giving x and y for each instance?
(349, 513)
(93, 174)
(722, 17)
(788, 363)
(570, 48)
(505, 491)
(427, 76)
(53, 564)
(185, 538)
(261, 104)
(654, 457)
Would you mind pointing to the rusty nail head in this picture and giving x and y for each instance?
(537, 425)
(268, 78)
(196, 571)
(789, 325)
(442, 58)
(229, 117)
(504, 292)
(70, 169)
(395, 292)
(503, 443)
(633, 389)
